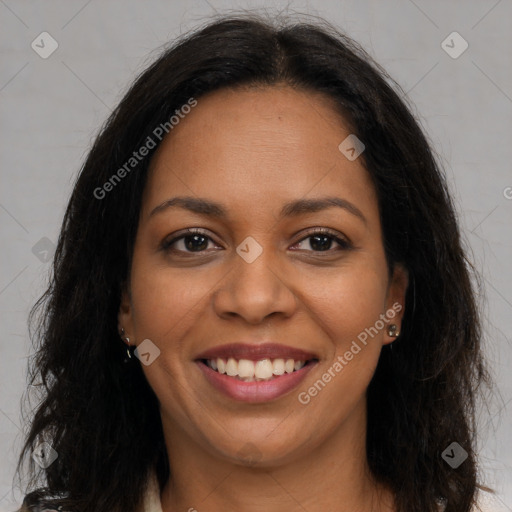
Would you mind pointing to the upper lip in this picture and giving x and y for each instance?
(256, 352)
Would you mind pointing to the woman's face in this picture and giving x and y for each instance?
(256, 275)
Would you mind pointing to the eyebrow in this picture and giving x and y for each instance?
(209, 208)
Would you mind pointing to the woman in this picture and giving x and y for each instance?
(260, 299)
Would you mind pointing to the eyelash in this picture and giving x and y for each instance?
(344, 244)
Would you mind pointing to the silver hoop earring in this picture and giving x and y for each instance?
(127, 341)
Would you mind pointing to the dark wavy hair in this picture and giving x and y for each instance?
(102, 417)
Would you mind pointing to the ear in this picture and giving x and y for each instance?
(125, 314)
(395, 300)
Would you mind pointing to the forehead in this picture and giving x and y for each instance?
(254, 146)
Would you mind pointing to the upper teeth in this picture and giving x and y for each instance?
(249, 370)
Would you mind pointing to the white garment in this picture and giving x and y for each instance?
(152, 497)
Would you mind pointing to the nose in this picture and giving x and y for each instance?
(256, 290)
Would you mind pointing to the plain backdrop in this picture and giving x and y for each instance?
(51, 109)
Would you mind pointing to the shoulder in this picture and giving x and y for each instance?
(151, 500)
(37, 507)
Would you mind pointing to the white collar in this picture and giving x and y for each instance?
(152, 501)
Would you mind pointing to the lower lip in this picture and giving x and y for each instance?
(257, 391)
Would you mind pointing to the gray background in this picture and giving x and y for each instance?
(52, 108)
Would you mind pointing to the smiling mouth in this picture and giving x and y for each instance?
(247, 370)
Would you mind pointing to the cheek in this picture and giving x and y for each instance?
(164, 297)
(344, 301)
(347, 307)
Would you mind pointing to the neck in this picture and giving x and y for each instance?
(332, 476)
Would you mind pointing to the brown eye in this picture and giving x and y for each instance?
(321, 240)
(192, 241)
